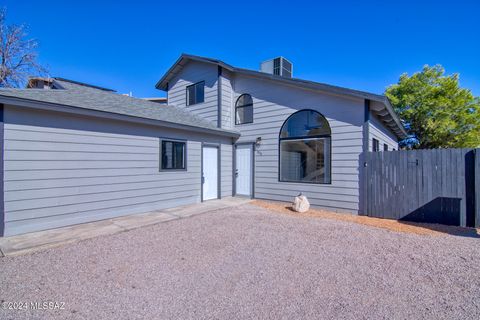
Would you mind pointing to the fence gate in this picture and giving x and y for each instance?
(435, 186)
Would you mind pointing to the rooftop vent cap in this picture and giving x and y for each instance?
(277, 66)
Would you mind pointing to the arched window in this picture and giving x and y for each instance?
(244, 109)
(305, 148)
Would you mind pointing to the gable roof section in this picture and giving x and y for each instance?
(82, 97)
(386, 114)
(177, 67)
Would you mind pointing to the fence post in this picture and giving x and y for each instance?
(476, 172)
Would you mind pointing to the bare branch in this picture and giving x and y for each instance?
(18, 56)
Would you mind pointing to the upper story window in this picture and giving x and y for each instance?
(385, 147)
(196, 93)
(173, 155)
(305, 148)
(244, 109)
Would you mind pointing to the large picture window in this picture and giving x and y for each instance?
(173, 155)
(244, 109)
(305, 148)
(196, 93)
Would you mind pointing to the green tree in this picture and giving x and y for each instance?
(435, 110)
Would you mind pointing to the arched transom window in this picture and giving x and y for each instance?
(244, 109)
(305, 148)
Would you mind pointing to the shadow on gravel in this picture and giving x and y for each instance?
(451, 230)
(442, 228)
(420, 228)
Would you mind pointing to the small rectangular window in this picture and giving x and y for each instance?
(375, 145)
(173, 155)
(385, 147)
(196, 93)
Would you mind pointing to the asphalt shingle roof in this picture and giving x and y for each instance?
(396, 125)
(81, 96)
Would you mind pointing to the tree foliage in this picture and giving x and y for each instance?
(435, 110)
(18, 56)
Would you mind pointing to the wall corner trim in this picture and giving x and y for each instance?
(363, 174)
(2, 157)
(366, 125)
(219, 97)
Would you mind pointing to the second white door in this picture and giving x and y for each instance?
(210, 173)
(243, 172)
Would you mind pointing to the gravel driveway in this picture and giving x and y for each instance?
(247, 262)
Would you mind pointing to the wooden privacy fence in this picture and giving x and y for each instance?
(438, 186)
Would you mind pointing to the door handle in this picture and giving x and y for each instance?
(236, 173)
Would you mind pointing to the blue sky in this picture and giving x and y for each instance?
(364, 45)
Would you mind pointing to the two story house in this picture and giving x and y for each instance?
(74, 152)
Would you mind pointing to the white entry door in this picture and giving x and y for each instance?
(243, 172)
(210, 173)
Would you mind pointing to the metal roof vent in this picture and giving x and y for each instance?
(277, 66)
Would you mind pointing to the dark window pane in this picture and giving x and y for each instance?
(375, 145)
(196, 93)
(178, 155)
(305, 123)
(166, 155)
(244, 115)
(305, 160)
(191, 95)
(244, 109)
(385, 147)
(243, 100)
(173, 155)
(199, 92)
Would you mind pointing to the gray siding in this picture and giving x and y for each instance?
(226, 167)
(378, 131)
(273, 104)
(192, 73)
(62, 170)
(227, 100)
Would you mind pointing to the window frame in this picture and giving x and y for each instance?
(184, 142)
(242, 107)
(187, 95)
(375, 145)
(322, 136)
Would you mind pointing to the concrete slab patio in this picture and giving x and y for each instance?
(30, 242)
